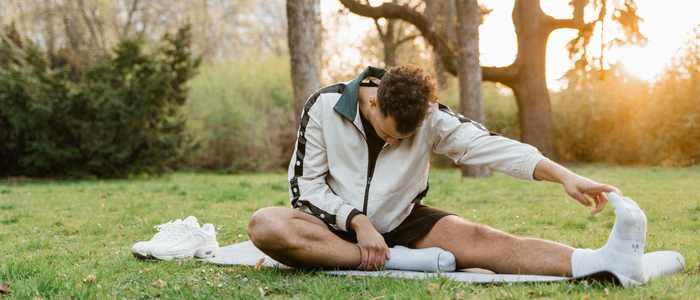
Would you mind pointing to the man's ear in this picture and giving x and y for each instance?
(373, 101)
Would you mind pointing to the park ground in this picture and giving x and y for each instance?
(71, 239)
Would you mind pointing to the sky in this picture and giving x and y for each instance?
(666, 24)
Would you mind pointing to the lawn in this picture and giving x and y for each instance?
(62, 239)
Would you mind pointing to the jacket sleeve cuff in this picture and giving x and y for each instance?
(345, 215)
(529, 165)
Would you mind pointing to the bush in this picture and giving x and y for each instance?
(673, 117)
(241, 115)
(596, 119)
(608, 116)
(119, 115)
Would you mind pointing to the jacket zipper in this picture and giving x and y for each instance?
(364, 207)
(369, 177)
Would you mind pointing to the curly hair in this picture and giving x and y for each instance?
(405, 93)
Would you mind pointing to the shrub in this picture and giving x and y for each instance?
(596, 119)
(673, 117)
(608, 116)
(241, 115)
(119, 115)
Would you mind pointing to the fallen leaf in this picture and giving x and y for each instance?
(5, 288)
(159, 283)
(90, 278)
(146, 270)
(259, 264)
(433, 288)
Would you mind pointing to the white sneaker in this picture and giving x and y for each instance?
(178, 239)
(212, 244)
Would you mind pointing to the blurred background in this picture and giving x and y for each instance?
(118, 88)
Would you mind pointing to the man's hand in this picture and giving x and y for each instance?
(586, 191)
(373, 248)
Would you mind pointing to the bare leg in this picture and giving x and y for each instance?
(480, 246)
(298, 239)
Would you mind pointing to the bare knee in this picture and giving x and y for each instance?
(268, 228)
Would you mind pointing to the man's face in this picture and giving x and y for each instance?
(385, 126)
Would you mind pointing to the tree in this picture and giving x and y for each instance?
(526, 75)
(393, 34)
(304, 38)
(471, 103)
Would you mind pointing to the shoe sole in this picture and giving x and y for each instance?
(202, 252)
(142, 255)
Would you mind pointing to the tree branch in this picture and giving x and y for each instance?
(505, 75)
(130, 17)
(379, 28)
(574, 23)
(403, 12)
(406, 39)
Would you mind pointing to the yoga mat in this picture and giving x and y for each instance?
(656, 264)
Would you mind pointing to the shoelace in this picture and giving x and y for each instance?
(170, 231)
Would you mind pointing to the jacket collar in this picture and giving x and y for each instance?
(347, 104)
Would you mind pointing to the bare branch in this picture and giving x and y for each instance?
(379, 28)
(130, 17)
(574, 23)
(406, 39)
(403, 12)
(505, 75)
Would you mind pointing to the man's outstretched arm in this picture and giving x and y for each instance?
(584, 190)
(469, 143)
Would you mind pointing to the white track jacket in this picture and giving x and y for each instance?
(328, 172)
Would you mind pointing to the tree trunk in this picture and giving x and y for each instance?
(389, 41)
(443, 15)
(469, 71)
(530, 84)
(304, 38)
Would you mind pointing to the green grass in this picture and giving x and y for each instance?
(62, 239)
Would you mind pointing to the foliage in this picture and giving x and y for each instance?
(673, 116)
(608, 116)
(624, 16)
(595, 117)
(52, 244)
(118, 115)
(241, 115)
(499, 106)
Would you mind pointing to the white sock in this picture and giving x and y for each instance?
(623, 252)
(431, 259)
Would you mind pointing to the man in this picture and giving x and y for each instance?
(360, 168)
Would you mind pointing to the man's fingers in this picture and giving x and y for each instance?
(378, 258)
(363, 258)
(370, 259)
(581, 199)
(600, 200)
(382, 257)
(601, 188)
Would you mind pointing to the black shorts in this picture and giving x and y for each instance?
(418, 223)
